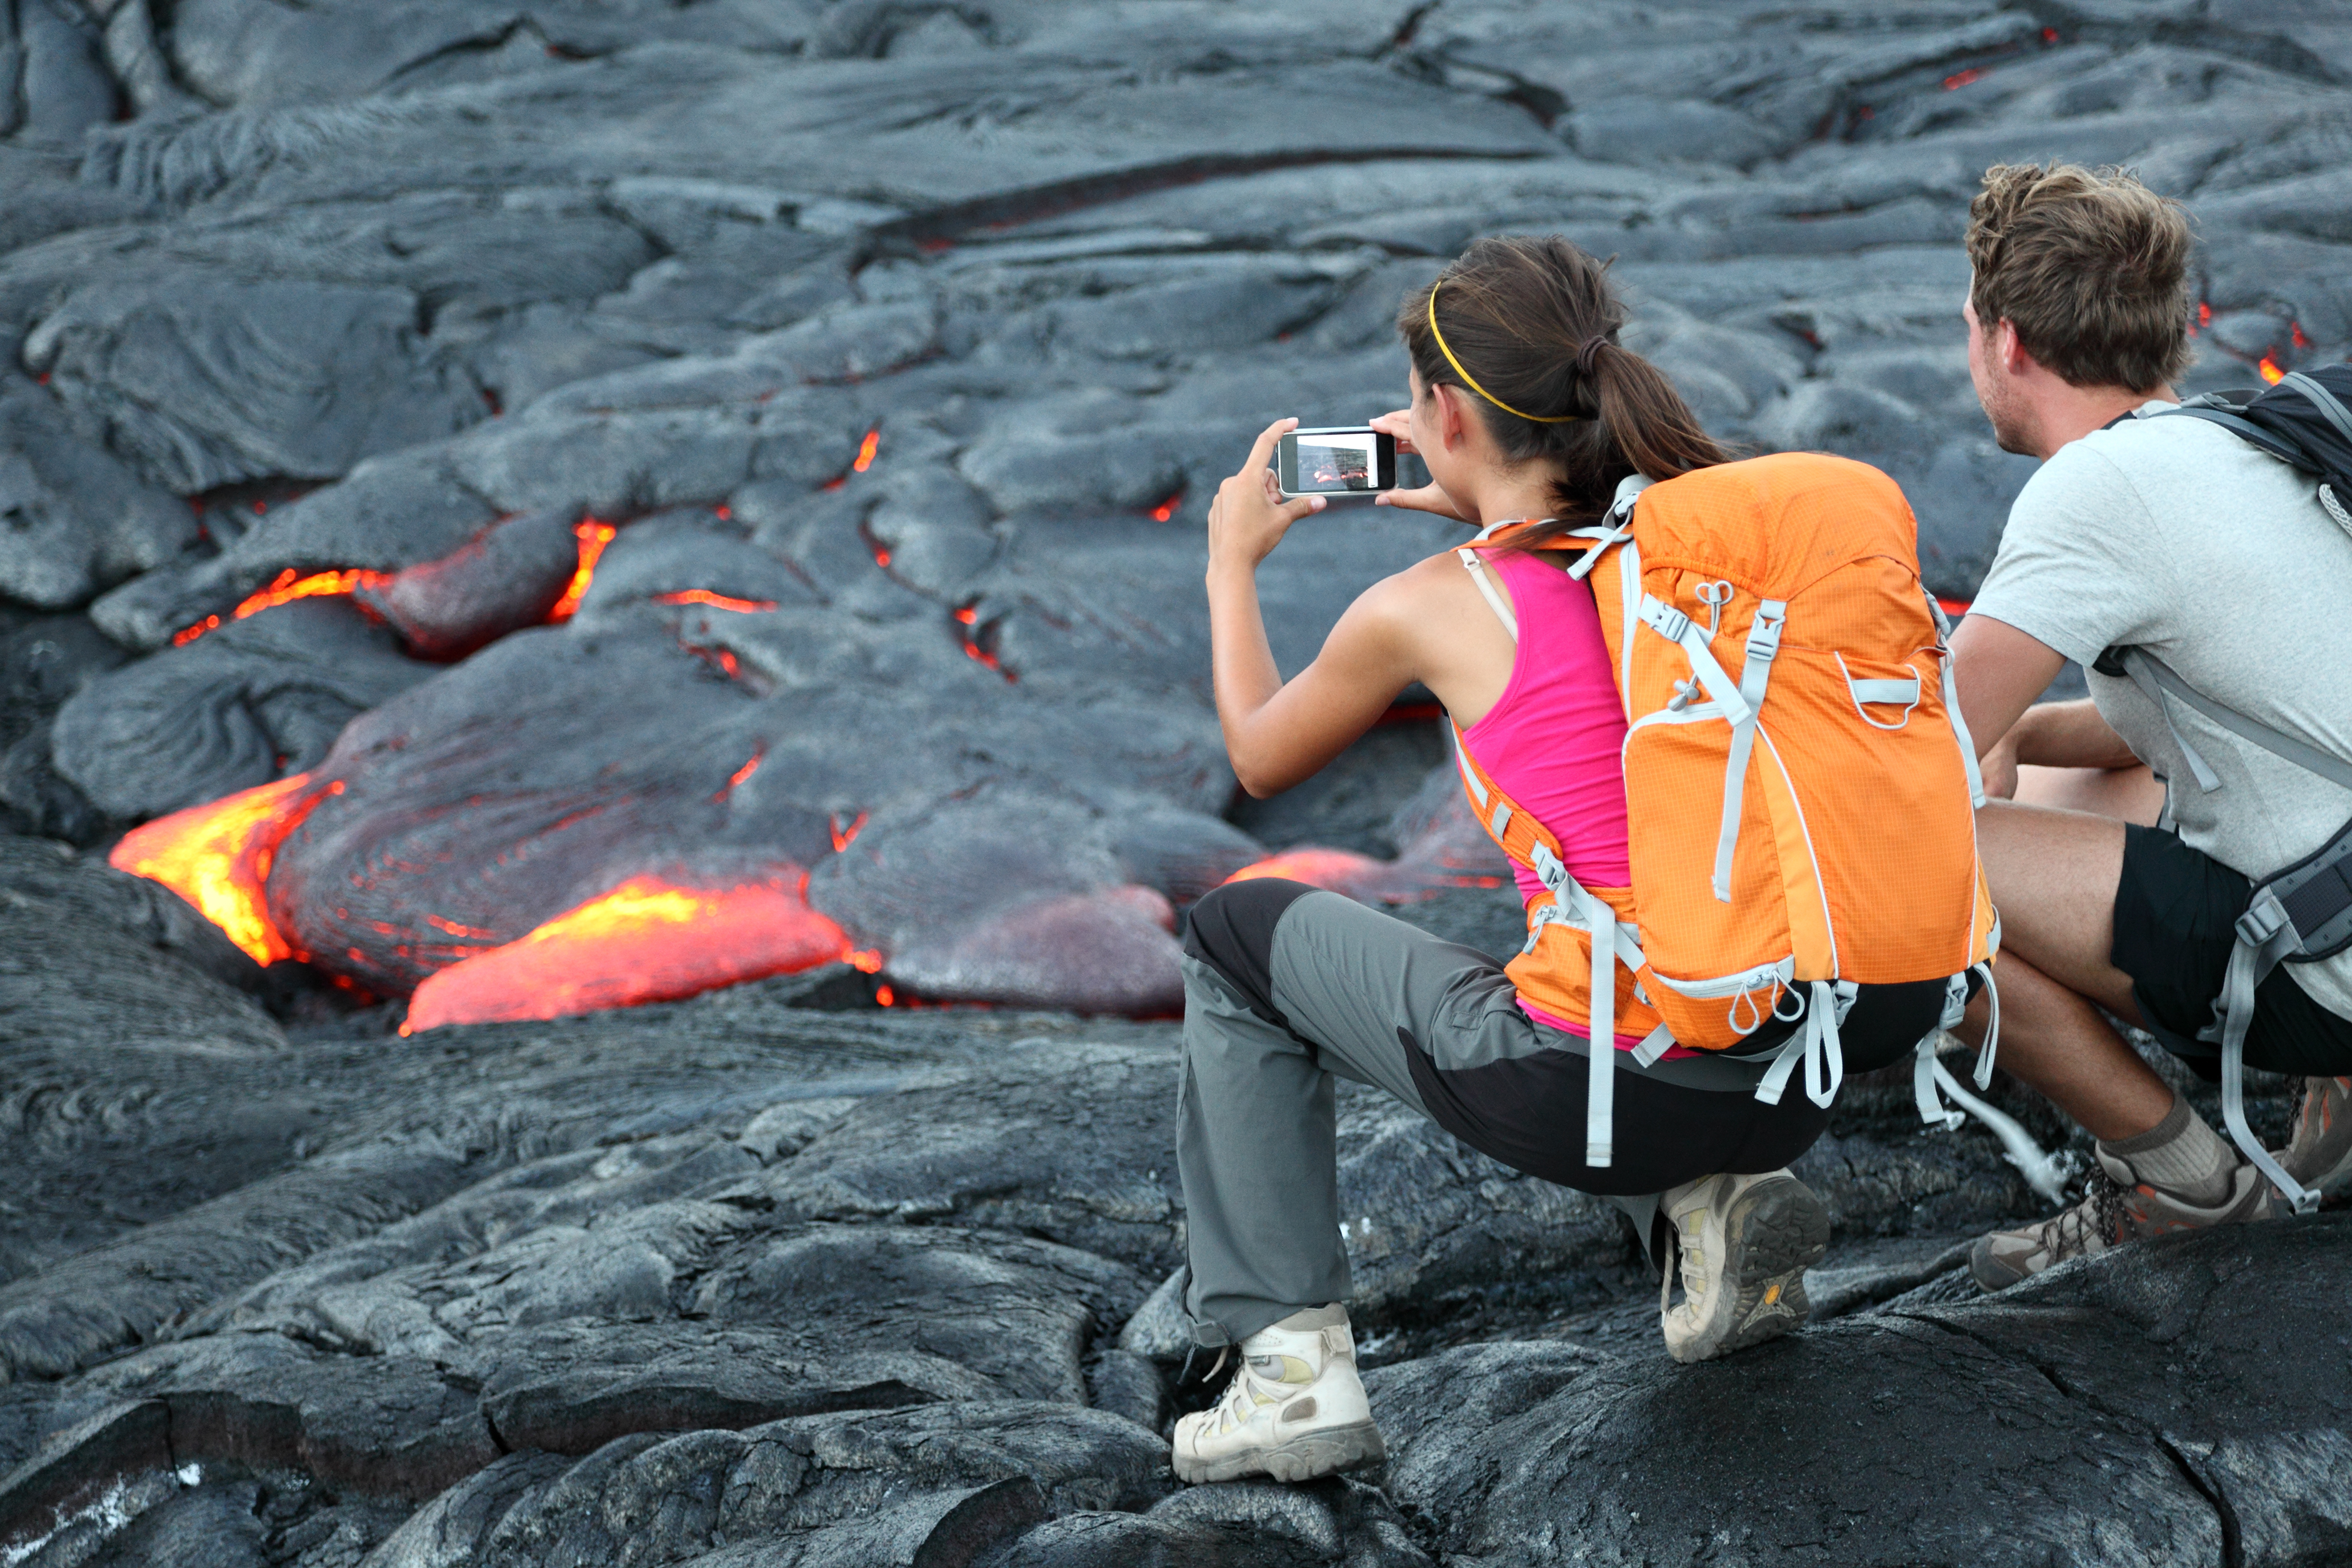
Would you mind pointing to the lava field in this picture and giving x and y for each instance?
(605, 728)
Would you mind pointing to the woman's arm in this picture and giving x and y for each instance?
(1277, 734)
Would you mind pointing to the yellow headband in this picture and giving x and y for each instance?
(1482, 391)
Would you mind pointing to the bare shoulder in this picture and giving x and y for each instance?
(1435, 584)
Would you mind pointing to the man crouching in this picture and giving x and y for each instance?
(2175, 538)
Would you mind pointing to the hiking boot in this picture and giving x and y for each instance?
(2319, 1155)
(1744, 1243)
(2117, 1209)
(1295, 1409)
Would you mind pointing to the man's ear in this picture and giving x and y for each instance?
(2011, 351)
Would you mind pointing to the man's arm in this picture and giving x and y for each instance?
(2068, 735)
(1999, 671)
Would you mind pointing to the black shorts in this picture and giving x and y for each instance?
(2176, 920)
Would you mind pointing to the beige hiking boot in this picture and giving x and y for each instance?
(1743, 1243)
(2118, 1208)
(1295, 1410)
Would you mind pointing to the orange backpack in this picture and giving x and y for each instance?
(1800, 787)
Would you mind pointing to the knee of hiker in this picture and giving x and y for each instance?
(1230, 931)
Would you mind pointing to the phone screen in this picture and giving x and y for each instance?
(1336, 461)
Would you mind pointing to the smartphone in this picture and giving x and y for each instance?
(1345, 460)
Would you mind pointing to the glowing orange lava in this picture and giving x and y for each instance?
(1167, 509)
(594, 537)
(866, 961)
(867, 449)
(1954, 607)
(287, 587)
(2295, 335)
(1315, 867)
(1958, 79)
(217, 856)
(740, 775)
(844, 837)
(715, 601)
(649, 940)
(2270, 370)
(2204, 314)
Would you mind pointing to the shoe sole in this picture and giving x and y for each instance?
(1777, 1231)
(1308, 1457)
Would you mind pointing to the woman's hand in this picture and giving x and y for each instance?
(1249, 516)
(1428, 497)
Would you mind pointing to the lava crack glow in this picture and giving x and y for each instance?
(286, 588)
(594, 537)
(715, 601)
(649, 940)
(217, 857)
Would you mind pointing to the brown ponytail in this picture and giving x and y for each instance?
(1534, 321)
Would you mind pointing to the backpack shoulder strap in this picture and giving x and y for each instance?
(2157, 678)
(2214, 411)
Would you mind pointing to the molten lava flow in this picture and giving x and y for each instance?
(2204, 315)
(1954, 607)
(2269, 368)
(2295, 335)
(649, 940)
(1958, 79)
(1167, 509)
(1333, 869)
(715, 601)
(286, 588)
(594, 537)
(217, 855)
(844, 837)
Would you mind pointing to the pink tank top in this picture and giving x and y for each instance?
(1555, 737)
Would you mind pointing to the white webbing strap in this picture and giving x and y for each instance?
(1763, 646)
(2265, 935)
(1924, 1075)
(1462, 762)
(1991, 1046)
(1816, 1045)
(1600, 1093)
(1679, 628)
(1952, 702)
(1618, 531)
(2156, 678)
(1654, 1044)
(1485, 581)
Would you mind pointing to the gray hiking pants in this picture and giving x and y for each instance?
(1286, 986)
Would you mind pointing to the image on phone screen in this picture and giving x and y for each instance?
(1337, 462)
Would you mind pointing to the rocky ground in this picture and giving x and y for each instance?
(753, 1280)
(890, 352)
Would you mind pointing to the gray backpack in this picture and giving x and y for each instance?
(2304, 913)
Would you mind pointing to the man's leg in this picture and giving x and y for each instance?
(2054, 876)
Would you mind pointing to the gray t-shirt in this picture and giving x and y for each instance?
(2175, 536)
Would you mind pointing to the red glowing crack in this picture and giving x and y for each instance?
(291, 585)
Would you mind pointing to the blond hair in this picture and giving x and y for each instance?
(2091, 268)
